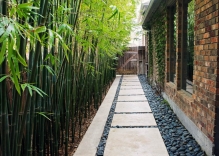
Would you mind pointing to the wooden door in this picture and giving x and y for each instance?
(127, 64)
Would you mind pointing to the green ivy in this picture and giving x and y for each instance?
(159, 36)
(150, 54)
(160, 43)
(157, 42)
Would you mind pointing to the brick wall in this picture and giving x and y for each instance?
(205, 64)
(206, 86)
(202, 105)
(175, 88)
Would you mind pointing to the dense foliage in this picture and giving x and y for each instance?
(150, 54)
(160, 44)
(157, 43)
(56, 60)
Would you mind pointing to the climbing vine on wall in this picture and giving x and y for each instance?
(160, 42)
(159, 33)
(150, 54)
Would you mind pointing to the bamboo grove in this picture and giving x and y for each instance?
(57, 58)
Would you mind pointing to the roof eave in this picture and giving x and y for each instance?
(153, 6)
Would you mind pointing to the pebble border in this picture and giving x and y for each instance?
(178, 141)
(103, 139)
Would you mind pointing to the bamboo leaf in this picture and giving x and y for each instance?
(13, 67)
(39, 91)
(23, 86)
(30, 90)
(49, 69)
(16, 83)
(44, 115)
(26, 6)
(3, 78)
(9, 29)
(51, 38)
(57, 35)
(51, 58)
(65, 47)
(63, 27)
(3, 51)
(19, 58)
(113, 14)
(40, 29)
(2, 30)
(115, 9)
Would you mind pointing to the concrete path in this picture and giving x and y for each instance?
(137, 134)
(133, 111)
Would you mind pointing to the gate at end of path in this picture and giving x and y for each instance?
(132, 62)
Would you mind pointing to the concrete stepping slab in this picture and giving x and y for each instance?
(131, 87)
(133, 120)
(132, 107)
(132, 98)
(135, 142)
(130, 75)
(130, 80)
(131, 84)
(131, 92)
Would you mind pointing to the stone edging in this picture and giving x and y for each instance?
(199, 136)
(91, 139)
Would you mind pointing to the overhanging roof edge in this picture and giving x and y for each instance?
(154, 4)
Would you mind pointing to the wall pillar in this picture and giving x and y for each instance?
(181, 43)
(206, 69)
(170, 48)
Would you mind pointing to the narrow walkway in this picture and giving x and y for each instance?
(133, 129)
(137, 133)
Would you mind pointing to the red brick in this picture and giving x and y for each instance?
(206, 35)
(214, 39)
(215, 26)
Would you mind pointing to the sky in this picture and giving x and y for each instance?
(136, 39)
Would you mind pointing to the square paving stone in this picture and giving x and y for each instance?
(130, 79)
(131, 84)
(133, 120)
(131, 87)
(135, 142)
(132, 98)
(131, 92)
(130, 76)
(132, 107)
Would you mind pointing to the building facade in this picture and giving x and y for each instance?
(182, 51)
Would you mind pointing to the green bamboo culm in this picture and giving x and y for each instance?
(56, 62)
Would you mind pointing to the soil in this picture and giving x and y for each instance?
(85, 124)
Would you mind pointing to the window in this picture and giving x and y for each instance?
(190, 47)
(172, 43)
